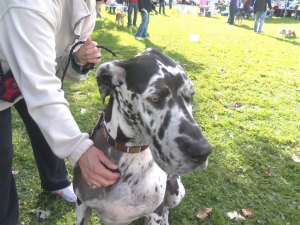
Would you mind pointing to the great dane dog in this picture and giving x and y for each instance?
(149, 131)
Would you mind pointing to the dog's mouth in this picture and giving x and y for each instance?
(183, 167)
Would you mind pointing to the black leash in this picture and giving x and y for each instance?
(70, 56)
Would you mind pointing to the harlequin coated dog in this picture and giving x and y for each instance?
(149, 131)
(287, 32)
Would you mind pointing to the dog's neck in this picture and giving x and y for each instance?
(123, 128)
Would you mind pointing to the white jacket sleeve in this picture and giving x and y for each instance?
(30, 52)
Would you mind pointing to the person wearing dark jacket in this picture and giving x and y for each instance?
(145, 8)
(260, 10)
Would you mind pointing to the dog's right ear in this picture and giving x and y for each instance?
(109, 75)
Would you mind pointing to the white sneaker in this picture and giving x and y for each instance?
(66, 193)
(138, 38)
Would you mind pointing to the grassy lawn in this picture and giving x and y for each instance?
(247, 104)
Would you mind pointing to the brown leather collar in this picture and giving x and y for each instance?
(112, 142)
(120, 147)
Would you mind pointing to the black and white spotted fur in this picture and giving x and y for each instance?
(150, 104)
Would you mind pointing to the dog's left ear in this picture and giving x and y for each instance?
(110, 75)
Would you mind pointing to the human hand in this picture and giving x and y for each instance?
(97, 169)
(88, 53)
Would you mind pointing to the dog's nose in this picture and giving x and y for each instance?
(200, 149)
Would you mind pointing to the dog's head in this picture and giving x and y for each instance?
(151, 103)
(283, 31)
(120, 11)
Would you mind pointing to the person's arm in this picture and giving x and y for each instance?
(78, 69)
(31, 56)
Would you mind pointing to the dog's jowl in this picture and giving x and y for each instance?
(149, 131)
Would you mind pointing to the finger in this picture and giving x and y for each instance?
(103, 177)
(93, 55)
(101, 182)
(99, 176)
(94, 59)
(90, 56)
(106, 173)
(106, 162)
(89, 50)
(88, 41)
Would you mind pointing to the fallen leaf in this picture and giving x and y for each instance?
(247, 213)
(239, 106)
(82, 110)
(235, 216)
(208, 210)
(43, 214)
(203, 213)
(296, 158)
(270, 172)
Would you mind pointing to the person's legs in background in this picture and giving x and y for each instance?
(261, 21)
(170, 4)
(130, 9)
(9, 206)
(256, 18)
(231, 15)
(163, 7)
(160, 6)
(135, 12)
(145, 33)
(142, 27)
(52, 170)
(98, 9)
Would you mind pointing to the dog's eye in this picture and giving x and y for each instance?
(154, 98)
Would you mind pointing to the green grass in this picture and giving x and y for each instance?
(247, 104)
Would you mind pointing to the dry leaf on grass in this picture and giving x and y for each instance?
(43, 214)
(82, 110)
(270, 172)
(203, 213)
(235, 216)
(247, 213)
(295, 158)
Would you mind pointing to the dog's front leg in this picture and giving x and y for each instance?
(153, 219)
(83, 213)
